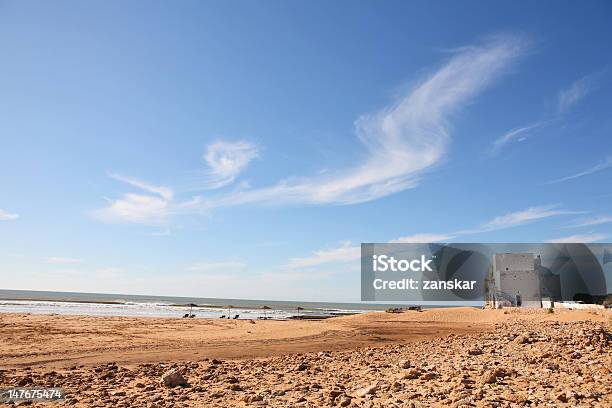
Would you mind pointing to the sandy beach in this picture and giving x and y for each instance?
(437, 357)
(60, 341)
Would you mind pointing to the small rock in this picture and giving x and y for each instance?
(362, 392)
(173, 378)
(430, 375)
(250, 399)
(25, 381)
(491, 376)
(404, 364)
(521, 339)
(334, 393)
(411, 374)
(345, 401)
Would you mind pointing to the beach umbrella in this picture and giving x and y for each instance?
(191, 306)
(298, 310)
(264, 307)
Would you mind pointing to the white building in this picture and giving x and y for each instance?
(515, 281)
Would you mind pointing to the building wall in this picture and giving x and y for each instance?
(525, 284)
(516, 275)
(515, 262)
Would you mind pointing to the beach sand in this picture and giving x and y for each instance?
(437, 357)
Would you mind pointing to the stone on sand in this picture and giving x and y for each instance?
(174, 378)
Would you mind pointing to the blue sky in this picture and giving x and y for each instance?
(245, 149)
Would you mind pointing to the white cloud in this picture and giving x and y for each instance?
(514, 134)
(591, 237)
(566, 99)
(7, 216)
(606, 164)
(164, 192)
(226, 160)
(218, 266)
(344, 253)
(604, 219)
(417, 238)
(521, 217)
(350, 253)
(577, 91)
(62, 260)
(517, 218)
(149, 209)
(136, 208)
(401, 141)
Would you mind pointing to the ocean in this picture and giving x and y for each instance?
(106, 304)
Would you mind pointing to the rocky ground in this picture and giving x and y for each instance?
(518, 364)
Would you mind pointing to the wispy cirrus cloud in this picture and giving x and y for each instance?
(604, 165)
(521, 217)
(589, 222)
(344, 253)
(347, 252)
(153, 208)
(164, 192)
(518, 134)
(590, 237)
(570, 96)
(401, 141)
(7, 216)
(225, 161)
(566, 99)
(135, 208)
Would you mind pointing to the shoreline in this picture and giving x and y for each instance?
(172, 311)
(108, 305)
